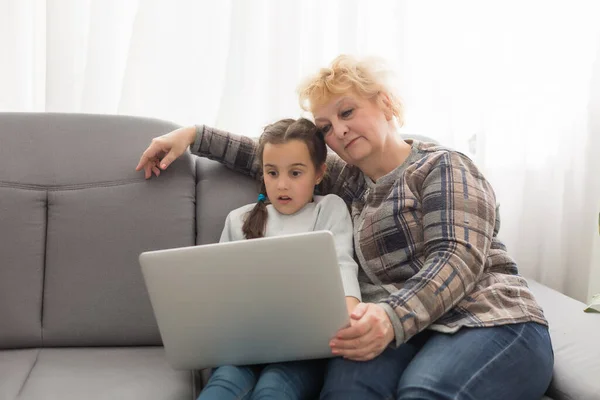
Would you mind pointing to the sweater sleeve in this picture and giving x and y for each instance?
(234, 151)
(341, 179)
(334, 217)
(458, 217)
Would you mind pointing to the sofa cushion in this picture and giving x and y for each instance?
(219, 191)
(15, 366)
(22, 241)
(107, 373)
(575, 343)
(77, 172)
(94, 291)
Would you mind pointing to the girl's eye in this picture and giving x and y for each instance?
(272, 173)
(347, 113)
(296, 173)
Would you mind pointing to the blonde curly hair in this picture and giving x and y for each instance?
(365, 77)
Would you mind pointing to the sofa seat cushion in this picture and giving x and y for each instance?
(575, 343)
(91, 373)
(14, 369)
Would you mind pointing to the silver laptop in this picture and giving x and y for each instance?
(247, 302)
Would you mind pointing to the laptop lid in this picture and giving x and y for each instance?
(247, 302)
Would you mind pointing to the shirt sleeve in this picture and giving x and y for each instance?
(334, 217)
(341, 179)
(234, 151)
(458, 217)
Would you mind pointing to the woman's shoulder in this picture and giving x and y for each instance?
(434, 164)
(431, 155)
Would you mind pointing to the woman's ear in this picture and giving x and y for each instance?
(386, 105)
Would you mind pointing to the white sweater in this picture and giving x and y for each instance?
(325, 213)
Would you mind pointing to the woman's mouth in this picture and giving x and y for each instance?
(350, 143)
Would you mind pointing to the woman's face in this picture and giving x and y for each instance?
(354, 127)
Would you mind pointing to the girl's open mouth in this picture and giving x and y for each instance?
(284, 199)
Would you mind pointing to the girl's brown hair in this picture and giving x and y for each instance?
(282, 132)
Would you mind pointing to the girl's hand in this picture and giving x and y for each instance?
(369, 334)
(165, 149)
(351, 303)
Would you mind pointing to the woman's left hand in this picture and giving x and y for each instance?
(369, 334)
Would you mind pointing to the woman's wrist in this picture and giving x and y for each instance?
(190, 134)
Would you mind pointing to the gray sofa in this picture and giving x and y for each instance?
(75, 319)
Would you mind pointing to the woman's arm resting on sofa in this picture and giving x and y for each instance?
(234, 151)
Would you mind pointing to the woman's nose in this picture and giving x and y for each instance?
(340, 130)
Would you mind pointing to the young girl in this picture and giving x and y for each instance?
(292, 155)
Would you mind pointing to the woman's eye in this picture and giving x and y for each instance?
(325, 129)
(347, 113)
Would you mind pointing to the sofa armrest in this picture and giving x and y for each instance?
(575, 340)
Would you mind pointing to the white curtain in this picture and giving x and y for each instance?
(514, 84)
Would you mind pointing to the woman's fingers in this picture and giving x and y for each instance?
(153, 153)
(359, 311)
(362, 354)
(358, 329)
(147, 170)
(367, 337)
(168, 159)
(150, 153)
(165, 149)
(351, 338)
(368, 351)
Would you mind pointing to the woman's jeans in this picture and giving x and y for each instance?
(286, 381)
(505, 362)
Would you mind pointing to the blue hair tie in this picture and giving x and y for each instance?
(261, 197)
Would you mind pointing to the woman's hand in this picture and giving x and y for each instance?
(165, 149)
(369, 334)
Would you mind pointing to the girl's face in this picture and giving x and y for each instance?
(290, 175)
(354, 127)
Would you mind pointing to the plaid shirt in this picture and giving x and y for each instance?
(425, 237)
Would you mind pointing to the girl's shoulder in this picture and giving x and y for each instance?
(331, 205)
(239, 213)
(329, 200)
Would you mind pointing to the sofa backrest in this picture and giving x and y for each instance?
(219, 190)
(74, 216)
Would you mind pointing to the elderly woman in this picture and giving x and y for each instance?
(445, 313)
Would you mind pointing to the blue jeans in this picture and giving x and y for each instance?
(505, 362)
(286, 381)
